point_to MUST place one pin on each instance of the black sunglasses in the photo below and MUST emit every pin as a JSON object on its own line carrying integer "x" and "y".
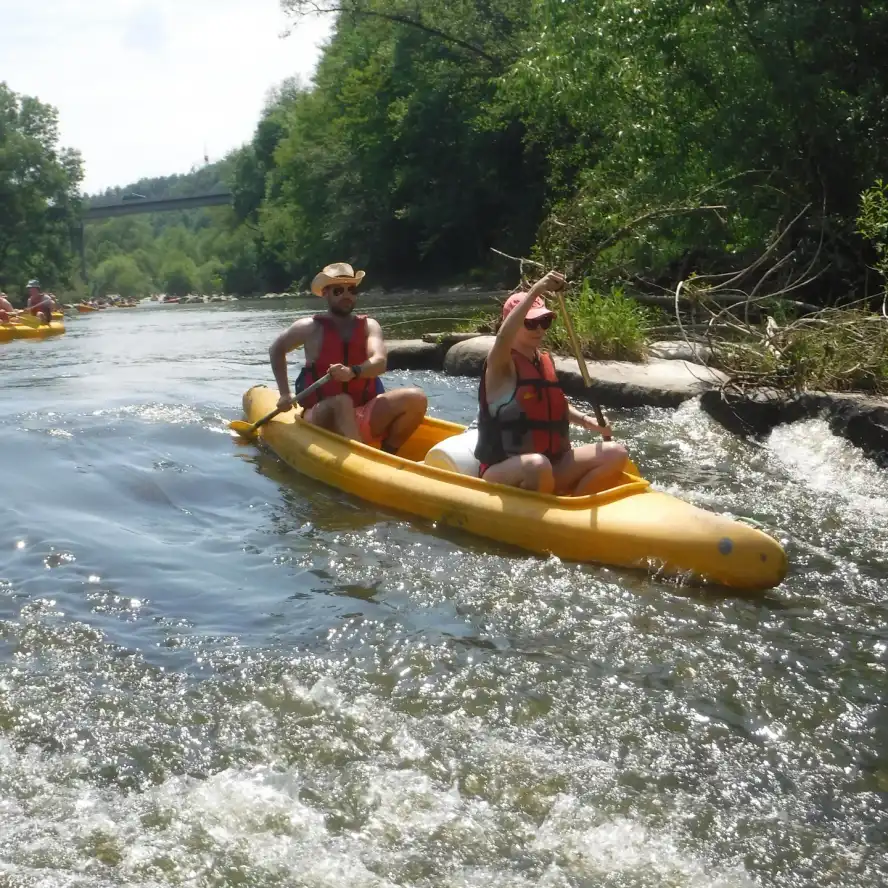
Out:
{"x": 338, "y": 291}
{"x": 538, "y": 323}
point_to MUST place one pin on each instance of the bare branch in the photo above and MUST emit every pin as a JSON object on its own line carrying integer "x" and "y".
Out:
{"x": 310, "y": 7}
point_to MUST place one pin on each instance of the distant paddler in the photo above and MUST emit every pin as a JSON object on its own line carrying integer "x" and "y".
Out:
{"x": 6, "y": 310}
{"x": 40, "y": 304}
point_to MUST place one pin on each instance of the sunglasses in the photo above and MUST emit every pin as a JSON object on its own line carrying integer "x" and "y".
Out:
{"x": 542, "y": 323}
{"x": 338, "y": 291}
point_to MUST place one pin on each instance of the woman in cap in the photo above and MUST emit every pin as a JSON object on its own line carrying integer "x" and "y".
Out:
{"x": 524, "y": 418}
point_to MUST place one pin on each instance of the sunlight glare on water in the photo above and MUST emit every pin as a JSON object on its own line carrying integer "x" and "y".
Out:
{"x": 216, "y": 672}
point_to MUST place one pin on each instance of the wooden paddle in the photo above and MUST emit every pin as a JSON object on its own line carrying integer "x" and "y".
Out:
{"x": 248, "y": 430}
{"x": 584, "y": 370}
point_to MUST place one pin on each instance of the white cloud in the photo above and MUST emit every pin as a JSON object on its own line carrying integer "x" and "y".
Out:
{"x": 145, "y": 87}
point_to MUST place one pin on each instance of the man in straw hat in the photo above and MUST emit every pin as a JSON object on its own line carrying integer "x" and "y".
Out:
{"x": 350, "y": 348}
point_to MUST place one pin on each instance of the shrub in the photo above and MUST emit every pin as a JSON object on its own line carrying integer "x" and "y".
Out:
{"x": 609, "y": 326}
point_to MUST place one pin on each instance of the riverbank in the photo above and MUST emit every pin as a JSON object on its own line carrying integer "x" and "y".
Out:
{"x": 671, "y": 376}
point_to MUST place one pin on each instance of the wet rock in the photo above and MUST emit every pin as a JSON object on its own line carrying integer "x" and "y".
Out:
{"x": 414, "y": 354}
{"x": 466, "y": 358}
{"x": 620, "y": 384}
{"x": 861, "y": 419}
{"x": 757, "y": 412}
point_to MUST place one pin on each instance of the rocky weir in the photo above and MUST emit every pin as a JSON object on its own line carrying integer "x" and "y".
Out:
{"x": 675, "y": 372}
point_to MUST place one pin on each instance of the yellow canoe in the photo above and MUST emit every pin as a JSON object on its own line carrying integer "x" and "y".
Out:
{"x": 628, "y": 525}
{"x": 83, "y": 309}
{"x": 8, "y": 332}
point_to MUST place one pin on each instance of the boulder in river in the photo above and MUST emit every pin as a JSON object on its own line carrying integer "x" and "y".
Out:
{"x": 467, "y": 357}
{"x": 414, "y": 354}
{"x": 620, "y": 384}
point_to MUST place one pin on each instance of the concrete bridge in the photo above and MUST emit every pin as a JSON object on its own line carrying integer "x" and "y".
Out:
{"x": 133, "y": 205}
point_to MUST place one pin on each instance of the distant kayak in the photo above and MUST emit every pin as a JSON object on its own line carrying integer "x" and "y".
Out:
{"x": 627, "y": 525}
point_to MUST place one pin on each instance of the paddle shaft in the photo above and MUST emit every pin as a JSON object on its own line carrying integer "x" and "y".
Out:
{"x": 28, "y": 320}
{"x": 584, "y": 370}
{"x": 299, "y": 397}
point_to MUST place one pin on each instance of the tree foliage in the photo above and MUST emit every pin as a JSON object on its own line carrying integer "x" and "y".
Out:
{"x": 765, "y": 106}
{"x": 39, "y": 203}
{"x": 629, "y": 141}
{"x": 120, "y": 275}
{"x": 396, "y": 158}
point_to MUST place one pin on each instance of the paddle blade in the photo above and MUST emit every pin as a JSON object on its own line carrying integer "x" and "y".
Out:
{"x": 244, "y": 429}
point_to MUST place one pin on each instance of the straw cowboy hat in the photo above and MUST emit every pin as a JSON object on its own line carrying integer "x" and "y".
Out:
{"x": 337, "y": 273}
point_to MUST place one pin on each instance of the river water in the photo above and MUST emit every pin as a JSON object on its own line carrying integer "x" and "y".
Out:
{"x": 215, "y": 672}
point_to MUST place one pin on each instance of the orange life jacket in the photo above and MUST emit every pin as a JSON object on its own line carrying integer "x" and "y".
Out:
{"x": 535, "y": 420}
{"x": 336, "y": 350}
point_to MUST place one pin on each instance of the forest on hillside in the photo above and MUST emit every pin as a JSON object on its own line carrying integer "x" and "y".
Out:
{"x": 189, "y": 251}
{"x": 632, "y": 143}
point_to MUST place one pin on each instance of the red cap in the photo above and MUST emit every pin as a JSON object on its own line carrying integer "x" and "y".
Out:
{"x": 537, "y": 308}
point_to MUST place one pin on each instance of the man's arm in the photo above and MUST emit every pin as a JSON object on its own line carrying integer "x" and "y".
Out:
{"x": 377, "y": 356}
{"x": 293, "y": 337}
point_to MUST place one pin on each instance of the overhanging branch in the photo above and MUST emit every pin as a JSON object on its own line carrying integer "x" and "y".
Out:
{"x": 306, "y": 7}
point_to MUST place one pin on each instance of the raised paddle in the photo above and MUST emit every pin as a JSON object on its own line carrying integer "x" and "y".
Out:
{"x": 584, "y": 370}
{"x": 248, "y": 430}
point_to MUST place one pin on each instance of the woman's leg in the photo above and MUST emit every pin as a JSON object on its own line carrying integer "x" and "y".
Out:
{"x": 589, "y": 468}
{"x": 529, "y": 471}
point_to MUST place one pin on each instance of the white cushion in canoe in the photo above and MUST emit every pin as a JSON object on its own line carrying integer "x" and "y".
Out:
{"x": 456, "y": 454}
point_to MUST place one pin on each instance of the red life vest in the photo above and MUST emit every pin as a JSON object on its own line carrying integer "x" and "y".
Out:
{"x": 535, "y": 420}
{"x": 336, "y": 350}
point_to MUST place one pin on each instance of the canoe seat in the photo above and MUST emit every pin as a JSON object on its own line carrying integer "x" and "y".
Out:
{"x": 456, "y": 454}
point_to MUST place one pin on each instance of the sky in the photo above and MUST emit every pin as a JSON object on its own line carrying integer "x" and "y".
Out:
{"x": 148, "y": 87}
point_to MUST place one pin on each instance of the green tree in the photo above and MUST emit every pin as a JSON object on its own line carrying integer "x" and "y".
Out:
{"x": 210, "y": 276}
{"x": 397, "y": 158}
{"x": 179, "y": 276}
{"x": 120, "y": 275}
{"x": 643, "y": 105}
{"x": 39, "y": 201}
